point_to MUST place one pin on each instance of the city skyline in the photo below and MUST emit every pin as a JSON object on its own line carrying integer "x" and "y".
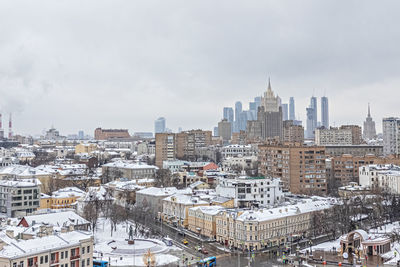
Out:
{"x": 130, "y": 70}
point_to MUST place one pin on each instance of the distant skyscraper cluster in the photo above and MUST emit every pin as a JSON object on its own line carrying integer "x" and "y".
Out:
{"x": 312, "y": 116}
{"x": 239, "y": 117}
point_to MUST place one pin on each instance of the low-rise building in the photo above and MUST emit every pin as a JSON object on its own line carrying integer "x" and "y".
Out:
{"x": 63, "y": 198}
{"x": 56, "y": 219}
{"x": 151, "y": 198}
{"x": 176, "y": 208}
{"x": 128, "y": 169}
{"x": 62, "y": 249}
{"x": 381, "y": 177}
{"x": 262, "y": 228}
{"x": 202, "y": 220}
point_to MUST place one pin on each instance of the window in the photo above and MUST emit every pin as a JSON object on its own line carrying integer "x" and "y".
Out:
{"x": 66, "y": 254}
{"x": 14, "y": 264}
{"x": 41, "y": 259}
{"x": 88, "y": 249}
{"x": 83, "y": 263}
{"x": 83, "y": 250}
{"x": 21, "y": 264}
{"x": 88, "y": 262}
{"x": 46, "y": 259}
{"x": 30, "y": 261}
{"x": 62, "y": 254}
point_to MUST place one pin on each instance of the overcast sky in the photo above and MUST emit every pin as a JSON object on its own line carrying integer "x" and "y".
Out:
{"x": 121, "y": 64}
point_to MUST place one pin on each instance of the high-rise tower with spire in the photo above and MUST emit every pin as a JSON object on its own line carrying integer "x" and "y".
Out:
{"x": 369, "y": 131}
{"x": 269, "y": 117}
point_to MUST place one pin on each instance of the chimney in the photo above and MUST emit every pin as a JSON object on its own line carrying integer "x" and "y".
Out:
{"x": 10, "y": 133}
{"x": 10, "y": 233}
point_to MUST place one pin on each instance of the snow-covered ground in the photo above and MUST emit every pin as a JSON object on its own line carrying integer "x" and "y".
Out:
{"x": 116, "y": 250}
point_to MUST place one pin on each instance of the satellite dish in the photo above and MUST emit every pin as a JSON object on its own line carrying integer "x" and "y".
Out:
{"x": 345, "y": 255}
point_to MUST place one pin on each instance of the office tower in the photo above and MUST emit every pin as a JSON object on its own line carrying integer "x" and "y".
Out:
{"x": 228, "y": 114}
{"x": 159, "y": 125}
{"x": 292, "y": 111}
{"x": 310, "y": 127}
{"x": 324, "y": 112}
{"x": 285, "y": 115}
{"x": 81, "y": 135}
{"x": 225, "y": 131}
{"x": 313, "y": 105}
{"x": 216, "y": 132}
{"x": 369, "y": 127}
{"x": 238, "y": 110}
{"x": 391, "y": 136}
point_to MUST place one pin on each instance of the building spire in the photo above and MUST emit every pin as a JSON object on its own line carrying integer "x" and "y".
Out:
{"x": 269, "y": 84}
{"x": 369, "y": 111}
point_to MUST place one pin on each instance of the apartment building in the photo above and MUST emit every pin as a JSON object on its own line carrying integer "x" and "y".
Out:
{"x": 189, "y": 141}
{"x": 301, "y": 168}
{"x": 333, "y": 136}
{"x": 293, "y": 133}
{"x": 262, "y": 228}
{"x": 19, "y": 197}
{"x": 354, "y": 150}
{"x": 391, "y": 136}
{"x": 165, "y": 148}
{"x": 251, "y": 191}
{"x": 72, "y": 249}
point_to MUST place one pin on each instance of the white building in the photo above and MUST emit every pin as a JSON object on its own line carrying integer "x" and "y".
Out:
{"x": 174, "y": 165}
{"x": 248, "y": 191}
{"x": 333, "y": 136}
{"x": 391, "y": 136}
{"x": 385, "y": 177}
{"x": 247, "y": 162}
{"x": 238, "y": 150}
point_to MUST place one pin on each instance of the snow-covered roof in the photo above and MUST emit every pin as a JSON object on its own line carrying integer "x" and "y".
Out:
{"x": 20, "y": 183}
{"x": 129, "y": 165}
{"x": 22, "y": 170}
{"x": 159, "y": 192}
{"x": 210, "y": 210}
{"x": 20, "y": 248}
{"x": 280, "y": 212}
{"x": 185, "y": 199}
{"x": 68, "y": 192}
{"x": 64, "y": 218}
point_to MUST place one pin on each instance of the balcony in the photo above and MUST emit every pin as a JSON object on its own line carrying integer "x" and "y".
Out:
{"x": 33, "y": 265}
{"x": 54, "y": 262}
{"x": 74, "y": 257}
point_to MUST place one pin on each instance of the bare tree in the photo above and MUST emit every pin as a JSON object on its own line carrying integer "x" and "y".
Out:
{"x": 118, "y": 214}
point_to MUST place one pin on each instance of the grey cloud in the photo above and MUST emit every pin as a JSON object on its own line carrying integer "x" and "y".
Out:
{"x": 79, "y": 65}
